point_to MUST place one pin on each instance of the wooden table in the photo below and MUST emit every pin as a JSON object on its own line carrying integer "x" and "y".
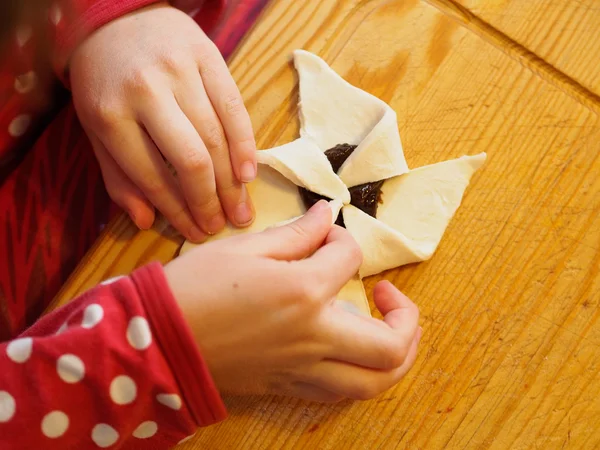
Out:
{"x": 511, "y": 349}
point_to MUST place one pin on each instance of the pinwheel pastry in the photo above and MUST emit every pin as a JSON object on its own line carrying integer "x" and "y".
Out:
{"x": 350, "y": 153}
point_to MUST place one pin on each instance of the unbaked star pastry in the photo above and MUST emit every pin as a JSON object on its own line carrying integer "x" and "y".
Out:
{"x": 349, "y": 152}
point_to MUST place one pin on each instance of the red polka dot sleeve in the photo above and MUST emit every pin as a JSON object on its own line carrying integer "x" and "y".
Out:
{"x": 71, "y": 21}
{"x": 116, "y": 368}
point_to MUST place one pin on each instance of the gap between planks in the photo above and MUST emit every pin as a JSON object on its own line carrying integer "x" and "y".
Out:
{"x": 518, "y": 52}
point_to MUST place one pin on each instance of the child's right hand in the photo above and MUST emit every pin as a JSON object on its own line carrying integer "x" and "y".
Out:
{"x": 262, "y": 309}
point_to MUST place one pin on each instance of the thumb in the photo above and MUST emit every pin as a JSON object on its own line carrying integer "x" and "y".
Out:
{"x": 296, "y": 240}
{"x": 121, "y": 189}
{"x": 399, "y": 312}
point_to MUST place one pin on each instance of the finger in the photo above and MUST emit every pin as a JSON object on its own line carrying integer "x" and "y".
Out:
{"x": 311, "y": 393}
{"x": 350, "y": 381}
{"x": 143, "y": 164}
{"x": 399, "y": 312}
{"x": 333, "y": 264}
{"x": 294, "y": 241}
{"x": 360, "y": 383}
{"x": 411, "y": 357}
{"x": 121, "y": 189}
{"x": 365, "y": 341}
{"x": 229, "y": 106}
{"x": 182, "y": 146}
{"x": 234, "y": 198}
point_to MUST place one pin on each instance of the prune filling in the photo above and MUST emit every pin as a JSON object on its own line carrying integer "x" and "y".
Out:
{"x": 365, "y": 197}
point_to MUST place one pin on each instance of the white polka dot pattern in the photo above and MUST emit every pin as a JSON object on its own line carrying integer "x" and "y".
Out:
{"x": 104, "y": 435}
{"x": 173, "y": 401}
{"x": 23, "y": 35}
{"x": 55, "y": 424}
{"x": 26, "y": 82}
{"x": 19, "y": 125}
{"x": 70, "y": 368}
{"x": 111, "y": 280}
{"x": 92, "y": 315}
{"x": 145, "y": 430}
{"x": 138, "y": 333}
{"x": 8, "y": 406}
{"x": 19, "y": 350}
{"x": 55, "y": 14}
{"x": 62, "y": 328}
{"x": 186, "y": 439}
{"x": 123, "y": 390}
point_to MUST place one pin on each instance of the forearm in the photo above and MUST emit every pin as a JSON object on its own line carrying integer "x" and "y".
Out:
{"x": 118, "y": 363}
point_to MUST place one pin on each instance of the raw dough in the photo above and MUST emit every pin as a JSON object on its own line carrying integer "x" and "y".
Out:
{"x": 417, "y": 204}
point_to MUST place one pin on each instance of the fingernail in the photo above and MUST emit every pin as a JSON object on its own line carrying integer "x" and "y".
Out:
{"x": 247, "y": 172}
{"x": 133, "y": 219}
{"x": 196, "y": 235}
{"x": 243, "y": 214}
{"x": 216, "y": 224}
{"x": 320, "y": 206}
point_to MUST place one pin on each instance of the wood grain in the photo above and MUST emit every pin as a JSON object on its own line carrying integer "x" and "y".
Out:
{"x": 528, "y": 58}
{"x": 566, "y": 34}
{"x": 509, "y": 303}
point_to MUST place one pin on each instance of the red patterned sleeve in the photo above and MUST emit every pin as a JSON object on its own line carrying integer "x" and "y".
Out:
{"x": 71, "y": 21}
{"x": 115, "y": 368}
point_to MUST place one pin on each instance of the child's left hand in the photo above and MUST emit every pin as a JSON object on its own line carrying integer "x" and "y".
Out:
{"x": 151, "y": 85}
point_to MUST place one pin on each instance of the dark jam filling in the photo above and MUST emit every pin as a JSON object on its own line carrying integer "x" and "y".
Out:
{"x": 365, "y": 197}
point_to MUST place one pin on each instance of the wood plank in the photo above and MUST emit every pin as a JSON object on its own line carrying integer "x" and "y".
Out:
{"x": 509, "y": 303}
{"x": 566, "y": 34}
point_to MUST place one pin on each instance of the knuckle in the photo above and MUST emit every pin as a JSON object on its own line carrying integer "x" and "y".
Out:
{"x": 173, "y": 62}
{"x": 278, "y": 386}
{"x": 356, "y": 253}
{"x": 140, "y": 81}
{"x": 115, "y": 194}
{"x": 299, "y": 290}
{"x": 299, "y": 234}
{"x": 179, "y": 219}
{"x": 209, "y": 204}
{"x": 107, "y": 116}
{"x": 302, "y": 291}
{"x": 393, "y": 355}
{"x": 245, "y": 147}
{"x": 229, "y": 191}
{"x": 207, "y": 63}
{"x": 207, "y": 71}
{"x": 289, "y": 288}
{"x": 332, "y": 399}
{"x": 365, "y": 390}
{"x": 214, "y": 138}
{"x": 154, "y": 186}
{"x": 309, "y": 292}
{"x": 195, "y": 161}
{"x": 229, "y": 187}
{"x": 234, "y": 104}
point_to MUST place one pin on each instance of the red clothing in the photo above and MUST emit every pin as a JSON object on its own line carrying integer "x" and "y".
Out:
{"x": 117, "y": 367}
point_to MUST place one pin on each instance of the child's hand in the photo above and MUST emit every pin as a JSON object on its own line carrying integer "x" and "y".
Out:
{"x": 262, "y": 308}
{"x": 151, "y": 85}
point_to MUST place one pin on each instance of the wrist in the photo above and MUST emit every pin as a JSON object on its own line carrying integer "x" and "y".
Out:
{"x": 189, "y": 304}
{"x": 88, "y": 17}
{"x": 174, "y": 333}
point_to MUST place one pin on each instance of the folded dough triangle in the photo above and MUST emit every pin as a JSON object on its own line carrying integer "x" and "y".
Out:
{"x": 332, "y": 112}
{"x": 414, "y": 215}
{"x": 416, "y": 205}
{"x": 305, "y": 165}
